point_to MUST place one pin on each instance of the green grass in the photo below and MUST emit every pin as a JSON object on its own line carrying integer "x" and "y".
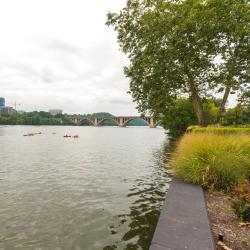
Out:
{"x": 219, "y": 129}
{"x": 216, "y": 161}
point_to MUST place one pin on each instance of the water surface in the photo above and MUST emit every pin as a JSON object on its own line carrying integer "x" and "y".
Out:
{"x": 101, "y": 191}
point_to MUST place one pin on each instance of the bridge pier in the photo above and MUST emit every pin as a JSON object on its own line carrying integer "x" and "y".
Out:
{"x": 76, "y": 121}
{"x": 152, "y": 123}
{"x": 96, "y": 122}
{"x": 121, "y": 122}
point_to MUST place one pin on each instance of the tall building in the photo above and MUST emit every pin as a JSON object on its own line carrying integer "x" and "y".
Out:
{"x": 6, "y": 109}
{"x": 2, "y": 102}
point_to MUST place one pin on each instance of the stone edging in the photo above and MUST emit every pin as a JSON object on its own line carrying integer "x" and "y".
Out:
{"x": 183, "y": 223}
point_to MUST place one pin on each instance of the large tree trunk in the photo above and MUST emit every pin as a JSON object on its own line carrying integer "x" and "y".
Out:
{"x": 197, "y": 103}
{"x": 223, "y": 103}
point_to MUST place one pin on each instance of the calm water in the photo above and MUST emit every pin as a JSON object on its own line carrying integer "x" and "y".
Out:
{"x": 101, "y": 191}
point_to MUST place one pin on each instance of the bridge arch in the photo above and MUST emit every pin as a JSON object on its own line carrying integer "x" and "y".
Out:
{"x": 86, "y": 120}
{"x": 135, "y": 118}
{"x": 107, "y": 119}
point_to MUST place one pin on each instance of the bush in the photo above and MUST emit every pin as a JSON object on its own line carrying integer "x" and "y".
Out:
{"x": 241, "y": 201}
{"x": 213, "y": 160}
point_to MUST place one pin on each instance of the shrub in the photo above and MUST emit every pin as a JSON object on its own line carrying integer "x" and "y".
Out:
{"x": 241, "y": 201}
{"x": 213, "y": 160}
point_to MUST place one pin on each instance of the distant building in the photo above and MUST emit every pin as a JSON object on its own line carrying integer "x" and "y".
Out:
{"x": 2, "y": 102}
{"x": 8, "y": 110}
{"x": 55, "y": 111}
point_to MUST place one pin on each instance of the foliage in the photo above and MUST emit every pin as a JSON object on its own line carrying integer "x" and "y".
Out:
{"x": 99, "y": 114}
{"x": 181, "y": 115}
{"x": 45, "y": 118}
{"x": 32, "y": 118}
{"x": 189, "y": 47}
{"x": 219, "y": 130}
{"x": 238, "y": 115}
{"x": 244, "y": 99}
{"x": 241, "y": 201}
{"x": 211, "y": 107}
{"x": 213, "y": 160}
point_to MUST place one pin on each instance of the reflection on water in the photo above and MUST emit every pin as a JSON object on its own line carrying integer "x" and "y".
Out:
{"x": 103, "y": 190}
{"x": 147, "y": 197}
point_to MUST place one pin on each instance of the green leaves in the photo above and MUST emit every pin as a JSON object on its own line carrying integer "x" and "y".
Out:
{"x": 178, "y": 47}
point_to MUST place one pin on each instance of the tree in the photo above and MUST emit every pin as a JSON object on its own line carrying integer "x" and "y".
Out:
{"x": 244, "y": 99}
{"x": 179, "y": 117}
{"x": 192, "y": 48}
{"x": 233, "y": 18}
{"x": 211, "y": 107}
{"x": 239, "y": 115}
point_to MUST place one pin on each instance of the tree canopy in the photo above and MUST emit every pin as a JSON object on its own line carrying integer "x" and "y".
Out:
{"x": 181, "y": 115}
{"x": 192, "y": 48}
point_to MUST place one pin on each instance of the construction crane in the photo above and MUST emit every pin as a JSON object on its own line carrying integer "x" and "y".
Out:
{"x": 16, "y": 104}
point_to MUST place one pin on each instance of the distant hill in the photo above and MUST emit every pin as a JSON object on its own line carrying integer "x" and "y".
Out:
{"x": 99, "y": 114}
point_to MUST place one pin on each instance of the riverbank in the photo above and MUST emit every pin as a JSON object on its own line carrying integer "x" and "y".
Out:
{"x": 214, "y": 161}
{"x": 236, "y": 235}
{"x": 218, "y": 159}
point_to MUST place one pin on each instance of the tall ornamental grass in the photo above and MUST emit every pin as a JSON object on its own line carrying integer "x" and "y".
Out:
{"x": 213, "y": 160}
{"x": 220, "y": 129}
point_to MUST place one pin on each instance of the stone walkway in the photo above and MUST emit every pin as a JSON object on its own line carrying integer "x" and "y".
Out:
{"x": 183, "y": 223}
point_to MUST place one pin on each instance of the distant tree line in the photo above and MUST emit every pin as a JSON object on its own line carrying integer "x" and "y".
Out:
{"x": 35, "y": 118}
{"x": 45, "y": 118}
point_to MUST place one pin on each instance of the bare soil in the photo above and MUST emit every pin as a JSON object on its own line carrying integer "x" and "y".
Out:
{"x": 224, "y": 221}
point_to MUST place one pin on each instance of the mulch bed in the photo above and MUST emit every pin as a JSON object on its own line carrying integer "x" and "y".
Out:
{"x": 223, "y": 220}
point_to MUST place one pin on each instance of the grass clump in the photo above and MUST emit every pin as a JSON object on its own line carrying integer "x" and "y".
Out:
{"x": 214, "y": 161}
{"x": 219, "y": 129}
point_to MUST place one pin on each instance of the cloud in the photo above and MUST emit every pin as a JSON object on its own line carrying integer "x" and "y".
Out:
{"x": 47, "y": 75}
{"x": 69, "y": 60}
{"x": 65, "y": 48}
{"x": 70, "y": 77}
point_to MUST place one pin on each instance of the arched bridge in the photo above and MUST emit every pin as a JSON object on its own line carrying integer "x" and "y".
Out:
{"x": 121, "y": 121}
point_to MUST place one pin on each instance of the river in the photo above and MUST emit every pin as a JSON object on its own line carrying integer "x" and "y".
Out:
{"x": 103, "y": 190}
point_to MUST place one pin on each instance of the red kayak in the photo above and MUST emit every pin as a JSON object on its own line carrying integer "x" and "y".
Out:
{"x": 67, "y": 136}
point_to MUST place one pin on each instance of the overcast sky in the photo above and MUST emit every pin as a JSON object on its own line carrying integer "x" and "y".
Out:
{"x": 60, "y": 54}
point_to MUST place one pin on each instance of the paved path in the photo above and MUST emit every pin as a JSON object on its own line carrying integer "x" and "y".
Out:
{"x": 183, "y": 223}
